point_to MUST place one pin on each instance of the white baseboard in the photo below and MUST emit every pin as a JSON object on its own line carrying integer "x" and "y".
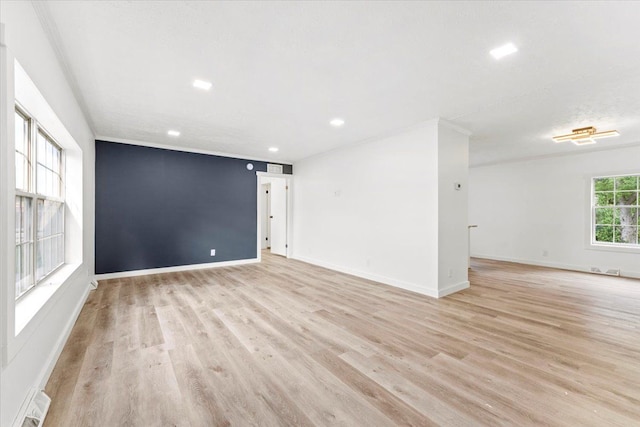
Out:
{"x": 57, "y": 350}
{"x": 47, "y": 369}
{"x": 560, "y": 266}
{"x": 370, "y": 276}
{"x": 134, "y": 273}
{"x": 453, "y": 288}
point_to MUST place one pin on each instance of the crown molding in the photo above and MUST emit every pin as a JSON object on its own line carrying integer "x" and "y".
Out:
{"x": 188, "y": 149}
{"x": 585, "y": 150}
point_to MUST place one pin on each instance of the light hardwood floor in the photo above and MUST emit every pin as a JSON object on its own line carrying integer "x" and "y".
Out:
{"x": 286, "y": 343}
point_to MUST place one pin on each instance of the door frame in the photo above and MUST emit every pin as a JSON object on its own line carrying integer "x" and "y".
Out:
{"x": 289, "y": 239}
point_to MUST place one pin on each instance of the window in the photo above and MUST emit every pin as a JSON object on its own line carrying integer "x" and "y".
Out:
{"x": 615, "y": 208}
{"x": 39, "y": 203}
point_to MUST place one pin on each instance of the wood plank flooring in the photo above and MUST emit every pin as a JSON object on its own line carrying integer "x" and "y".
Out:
{"x": 284, "y": 343}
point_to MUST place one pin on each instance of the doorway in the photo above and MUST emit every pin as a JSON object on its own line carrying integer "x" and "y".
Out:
{"x": 274, "y": 213}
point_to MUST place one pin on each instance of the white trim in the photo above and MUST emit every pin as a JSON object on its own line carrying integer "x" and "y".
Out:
{"x": 612, "y": 247}
{"x": 189, "y": 150}
{"x": 289, "y": 182}
{"x": 591, "y": 244}
{"x": 261, "y": 174}
{"x": 453, "y": 288}
{"x": 583, "y": 150}
{"x": 7, "y": 178}
{"x": 174, "y": 269}
{"x": 408, "y": 286}
{"x": 559, "y": 266}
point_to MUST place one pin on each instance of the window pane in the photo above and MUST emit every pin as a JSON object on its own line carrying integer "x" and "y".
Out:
{"x": 48, "y": 210}
{"x": 47, "y": 255}
{"x": 604, "y": 199}
{"x": 603, "y": 184}
{"x": 55, "y": 166}
{"x": 628, "y": 198}
{"x": 626, "y": 216}
{"x": 20, "y": 183}
{"x": 604, "y": 233}
{"x": 61, "y": 218}
{"x": 21, "y": 127}
{"x": 23, "y": 219}
{"x": 18, "y": 269}
{"x": 39, "y": 261}
{"x": 40, "y": 179}
{"x": 49, "y": 162}
{"x": 50, "y": 246}
{"x": 27, "y": 250}
{"x": 49, "y": 167}
{"x": 24, "y": 279}
{"x": 626, "y": 235}
{"x": 41, "y": 148}
{"x": 22, "y": 152}
{"x": 18, "y": 219}
{"x": 626, "y": 183}
{"x": 604, "y": 215}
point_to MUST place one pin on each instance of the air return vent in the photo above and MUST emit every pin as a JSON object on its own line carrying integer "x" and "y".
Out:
{"x": 37, "y": 405}
{"x": 271, "y": 168}
{"x": 609, "y": 272}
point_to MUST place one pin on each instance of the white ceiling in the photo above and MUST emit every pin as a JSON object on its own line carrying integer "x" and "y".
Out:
{"x": 281, "y": 71}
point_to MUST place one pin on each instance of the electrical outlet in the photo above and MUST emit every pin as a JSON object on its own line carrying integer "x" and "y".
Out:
{"x": 450, "y": 272}
{"x": 545, "y": 253}
{"x": 213, "y": 252}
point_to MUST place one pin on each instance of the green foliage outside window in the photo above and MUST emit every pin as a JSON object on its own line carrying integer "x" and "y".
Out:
{"x": 617, "y": 209}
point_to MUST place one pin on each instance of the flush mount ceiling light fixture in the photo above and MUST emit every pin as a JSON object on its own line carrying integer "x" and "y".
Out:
{"x": 173, "y": 133}
{"x": 503, "y": 51}
{"x": 585, "y": 136}
{"x": 273, "y": 149}
{"x": 201, "y": 84}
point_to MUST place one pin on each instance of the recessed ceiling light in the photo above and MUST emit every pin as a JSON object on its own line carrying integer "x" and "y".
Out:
{"x": 173, "y": 133}
{"x": 503, "y": 51}
{"x": 337, "y": 122}
{"x": 201, "y": 84}
{"x": 273, "y": 149}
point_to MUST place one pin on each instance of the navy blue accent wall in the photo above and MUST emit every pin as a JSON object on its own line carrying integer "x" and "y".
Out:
{"x": 162, "y": 208}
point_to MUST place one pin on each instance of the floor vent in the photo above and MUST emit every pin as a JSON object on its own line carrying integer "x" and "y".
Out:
{"x": 609, "y": 272}
{"x": 36, "y": 410}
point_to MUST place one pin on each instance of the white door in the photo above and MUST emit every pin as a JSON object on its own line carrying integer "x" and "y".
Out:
{"x": 264, "y": 216}
{"x": 278, "y": 232}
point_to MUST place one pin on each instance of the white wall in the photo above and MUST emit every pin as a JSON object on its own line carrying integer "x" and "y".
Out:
{"x": 528, "y": 207}
{"x": 453, "y": 248}
{"x": 36, "y": 349}
{"x": 372, "y": 210}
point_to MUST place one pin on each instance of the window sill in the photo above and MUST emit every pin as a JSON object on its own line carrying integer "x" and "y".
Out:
{"x": 612, "y": 248}
{"x": 28, "y": 306}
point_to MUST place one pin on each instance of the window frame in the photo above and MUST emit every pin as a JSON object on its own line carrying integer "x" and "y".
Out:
{"x": 34, "y": 130}
{"x": 614, "y": 246}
